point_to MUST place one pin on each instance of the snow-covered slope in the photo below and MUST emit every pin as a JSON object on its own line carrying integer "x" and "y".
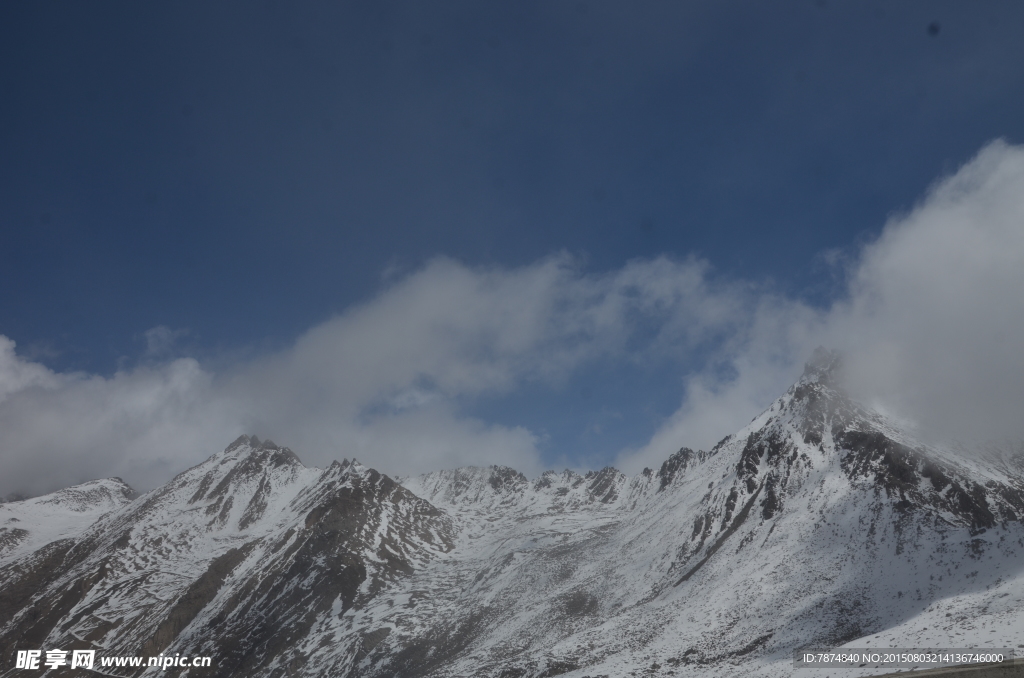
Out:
{"x": 26, "y": 526}
{"x": 818, "y": 524}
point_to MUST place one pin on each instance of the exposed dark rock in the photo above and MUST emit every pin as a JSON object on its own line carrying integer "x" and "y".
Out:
{"x": 257, "y": 505}
{"x": 740, "y": 518}
{"x": 434, "y": 648}
{"x": 40, "y": 593}
{"x": 676, "y": 464}
{"x": 580, "y": 603}
{"x": 196, "y": 597}
{"x": 557, "y": 668}
{"x": 371, "y": 640}
{"x": 730, "y": 506}
{"x": 753, "y": 645}
{"x": 603, "y": 484}
{"x": 772, "y": 501}
{"x": 897, "y": 469}
{"x": 11, "y": 537}
{"x": 504, "y": 478}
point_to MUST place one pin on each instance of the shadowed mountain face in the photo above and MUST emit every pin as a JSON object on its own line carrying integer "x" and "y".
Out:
{"x": 820, "y": 523}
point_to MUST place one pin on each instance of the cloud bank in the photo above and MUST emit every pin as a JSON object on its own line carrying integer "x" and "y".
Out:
{"x": 930, "y": 324}
{"x": 386, "y": 382}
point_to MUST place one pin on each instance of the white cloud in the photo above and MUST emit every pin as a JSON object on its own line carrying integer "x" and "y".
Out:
{"x": 385, "y": 382}
{"x": 931, "y": 327}
{"x": 161, "y": 340}
{"x": 64, "y": 428}
{"x": 935, "y": 317}
{"x": 18, "y": 375}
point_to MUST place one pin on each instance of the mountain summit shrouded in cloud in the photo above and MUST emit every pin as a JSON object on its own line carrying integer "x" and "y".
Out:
{"x": 927, "y": 324}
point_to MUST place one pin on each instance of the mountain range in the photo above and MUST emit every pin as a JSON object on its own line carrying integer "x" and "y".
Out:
{"x": 821, "y": 524}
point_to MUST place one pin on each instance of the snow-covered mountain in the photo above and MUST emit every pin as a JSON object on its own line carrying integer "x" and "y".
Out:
{"x": 250, "y": 557}
{"x": 818, "y": 524}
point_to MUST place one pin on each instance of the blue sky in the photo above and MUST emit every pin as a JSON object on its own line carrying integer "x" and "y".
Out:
{"x": 213, "y": 183}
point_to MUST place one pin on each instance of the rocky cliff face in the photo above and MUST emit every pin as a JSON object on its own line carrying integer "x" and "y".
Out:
{"x": 820, "y": 523}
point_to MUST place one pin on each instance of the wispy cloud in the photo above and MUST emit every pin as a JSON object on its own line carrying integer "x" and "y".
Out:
{"x": 162, "y": 340}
